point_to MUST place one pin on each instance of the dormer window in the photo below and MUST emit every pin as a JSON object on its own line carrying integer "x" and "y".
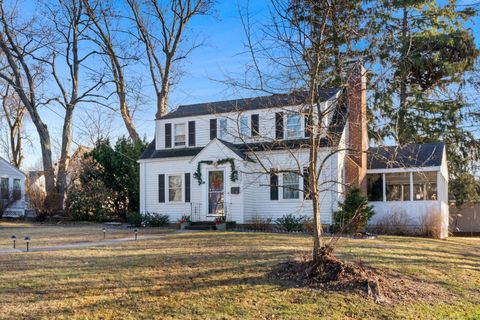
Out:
{"x": 179, "y": 134}
{"x": 244, "y": 127}
{"x": 222, "y": 128}
{"x": 294, "y": 126}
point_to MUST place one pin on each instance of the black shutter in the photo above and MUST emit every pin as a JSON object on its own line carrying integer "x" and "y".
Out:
{"x": 306, "y": 184}
{"x": 273, "y": 185}
{"x": 308, "y": 123}
{"x": 279, "y": 125}
{"x": 191, "y": 133}
{"x": 255, "y": 125}
{"x": 161, "y": 188}
{"x": 213, "y": 129}
{"x": 187, "y": 187}
{"x": 168, "y": 135}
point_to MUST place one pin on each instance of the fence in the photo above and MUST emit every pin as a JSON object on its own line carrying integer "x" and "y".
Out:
{"x": 466, "y": 220}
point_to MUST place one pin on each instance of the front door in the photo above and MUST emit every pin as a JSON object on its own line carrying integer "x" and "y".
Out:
{"x": 216, "y": 193}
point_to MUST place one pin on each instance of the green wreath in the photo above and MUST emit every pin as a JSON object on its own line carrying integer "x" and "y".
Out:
{"x": 233, "y": 172}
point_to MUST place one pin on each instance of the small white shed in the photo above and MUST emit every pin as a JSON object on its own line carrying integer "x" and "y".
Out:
{"x": 409, "y": 185}
{"x": 12, "y": 190}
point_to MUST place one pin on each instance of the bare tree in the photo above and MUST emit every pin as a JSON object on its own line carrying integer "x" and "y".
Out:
{"x": 161, "y": 27}
{"x": 101, "y": 16}
{"x": 70, "y": 25}
{"x": 296, "y": 52}
{"x": 18, "y": 42}
{"x": 13, "y": 113}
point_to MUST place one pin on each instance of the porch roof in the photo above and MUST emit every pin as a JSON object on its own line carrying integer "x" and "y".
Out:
{"x": 407, "y": 156}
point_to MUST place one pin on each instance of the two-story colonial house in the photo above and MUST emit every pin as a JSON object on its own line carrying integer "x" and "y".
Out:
{"x": 249, "y": 158}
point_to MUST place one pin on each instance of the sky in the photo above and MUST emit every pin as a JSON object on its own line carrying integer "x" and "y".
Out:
{"x": 223, "y": 54}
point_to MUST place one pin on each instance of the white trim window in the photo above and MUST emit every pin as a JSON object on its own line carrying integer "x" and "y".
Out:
{"x": 175, "y": 188}
{"x": 294, "y": 126}
{"x": 222, "y": 128}
{"x": 244, "y": 126}
{"x": 179, "y": 134}
{"x": 291, "y": 185}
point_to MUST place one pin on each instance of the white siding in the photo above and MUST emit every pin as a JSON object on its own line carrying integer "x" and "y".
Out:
{"x": 10, "y": 172}
{"x": 202, "y": 125}
{"x": 254, "y": 197}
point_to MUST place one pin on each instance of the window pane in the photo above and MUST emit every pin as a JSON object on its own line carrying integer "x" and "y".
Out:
{"x": 175, "y": 188}
{"x": 294, "y": 126}
{"x": 222, "y": 130}
{"x": 4, "y": 188}
{"x": 398, "y": 186}
{"x": 291, "y": 185}
{"x": 425, "y": 186}
{"x": 180, "y": 134}
{"x": 17, "y": 189}
{"x": 375, "y": 187}
{"x": 244, "y": 129}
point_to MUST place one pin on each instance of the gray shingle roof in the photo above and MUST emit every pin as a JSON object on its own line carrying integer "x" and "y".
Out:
{"x": 265, "y": 102}
{"x": 411, "y": 155}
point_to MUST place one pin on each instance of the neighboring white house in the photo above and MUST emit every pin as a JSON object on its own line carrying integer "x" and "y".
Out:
{"x": 248, "y": 158}
{"x": 12, "y": 190}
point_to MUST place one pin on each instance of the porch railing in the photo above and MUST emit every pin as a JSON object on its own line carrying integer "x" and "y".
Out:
{"x": 195, "y": 211}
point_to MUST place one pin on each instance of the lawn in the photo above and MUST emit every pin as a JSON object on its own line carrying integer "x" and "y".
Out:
{"x": 222, "y": 275}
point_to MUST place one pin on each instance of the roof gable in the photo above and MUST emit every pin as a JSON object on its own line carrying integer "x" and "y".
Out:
{"x": 221, "y": 148}
{"x": 10, "y": 167}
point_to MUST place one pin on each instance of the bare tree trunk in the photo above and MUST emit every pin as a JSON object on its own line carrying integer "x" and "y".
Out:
{"x": 63, "y": 162}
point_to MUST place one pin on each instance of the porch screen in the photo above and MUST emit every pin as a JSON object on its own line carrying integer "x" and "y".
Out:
{"x": 425, "y": 186}
{"x": 375, "y": 187}
{"x": 398, "y": 186}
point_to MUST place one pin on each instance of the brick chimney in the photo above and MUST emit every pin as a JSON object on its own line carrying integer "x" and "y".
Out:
{"x": 357, "y": 140}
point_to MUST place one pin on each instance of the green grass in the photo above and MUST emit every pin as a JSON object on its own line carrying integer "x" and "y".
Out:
{"x": 214, "y": 275}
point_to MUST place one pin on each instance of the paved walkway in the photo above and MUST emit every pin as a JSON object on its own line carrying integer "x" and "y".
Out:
{"x": 89, "y": 244}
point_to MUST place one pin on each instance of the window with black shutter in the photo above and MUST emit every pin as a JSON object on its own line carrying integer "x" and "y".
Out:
{"x": 307, "y": 195}
{"x": 191, "y": 133}
{"x": 161, "y": 188}
{"x": 213, "y": 129}
{"x": 273, "y": 185}
{"x": 279, "y": 125}
{"x": 187, "y": 187}
{"x": 168, "y": 135}
{"x": 255, "y": 125}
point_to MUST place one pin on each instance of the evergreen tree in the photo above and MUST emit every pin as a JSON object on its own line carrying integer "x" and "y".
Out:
{"x": 423, "y": 58}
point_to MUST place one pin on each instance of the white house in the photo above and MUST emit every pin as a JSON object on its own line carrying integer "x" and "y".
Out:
{"x": 248, "y": 158}
{"x": 12, "y": 190}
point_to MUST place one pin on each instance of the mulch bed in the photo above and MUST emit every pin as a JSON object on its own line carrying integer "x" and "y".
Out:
{"x": 383, "y": 286}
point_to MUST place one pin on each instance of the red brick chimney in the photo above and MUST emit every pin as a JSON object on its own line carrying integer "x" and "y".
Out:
{"x": 357, "y": 140}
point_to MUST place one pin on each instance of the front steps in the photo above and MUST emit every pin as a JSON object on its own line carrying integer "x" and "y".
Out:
{"x": 208, "y": 225}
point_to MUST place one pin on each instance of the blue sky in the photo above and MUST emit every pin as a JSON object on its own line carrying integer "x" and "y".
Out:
{"x": 224, "y": 54}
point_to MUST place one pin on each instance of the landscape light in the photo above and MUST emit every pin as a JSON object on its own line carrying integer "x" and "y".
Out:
{"x": 14, "y": 239}
{"x": 104, "y": 232}
{"x": 27, "y": 239}
{"x": 136, "y": 232}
